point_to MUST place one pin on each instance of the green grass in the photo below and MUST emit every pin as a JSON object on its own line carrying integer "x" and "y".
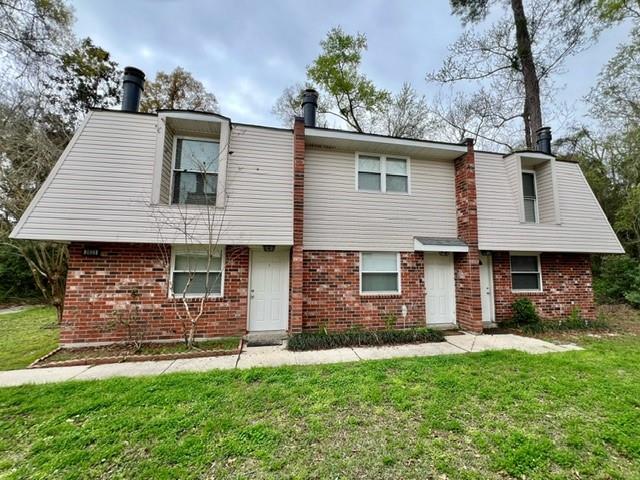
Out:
{"x": 479, "y": 416}
{"x": 27, "y": 335}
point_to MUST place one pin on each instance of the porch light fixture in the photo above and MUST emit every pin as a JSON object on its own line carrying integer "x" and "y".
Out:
{"x": 269, "y": 248}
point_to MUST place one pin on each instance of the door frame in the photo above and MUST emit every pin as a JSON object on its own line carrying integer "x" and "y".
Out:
{"x": 278, "y": 249}
{"x": 492, "y": 312}
{"x": 454, "y": 301}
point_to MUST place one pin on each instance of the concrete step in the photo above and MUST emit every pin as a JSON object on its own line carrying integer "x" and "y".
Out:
{"x": 266, "y": 338}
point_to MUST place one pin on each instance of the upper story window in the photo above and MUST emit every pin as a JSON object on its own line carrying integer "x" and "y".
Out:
{"x": 379, "y": 173}
{"x": 530, "y": 196}
{"x": 195, "y": 171}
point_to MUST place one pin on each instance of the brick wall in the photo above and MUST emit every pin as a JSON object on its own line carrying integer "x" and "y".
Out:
{"x": 296, "y": 268}
{"x": 332, "y": 293}
{"x": 566, "y": 281}
{"x": 97, "y": 286}
{"x": 467, "y": 265}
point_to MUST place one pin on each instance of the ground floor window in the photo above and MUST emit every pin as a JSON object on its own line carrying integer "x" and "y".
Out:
{"x": 379, "y": 272}
{"x": 525, "y": 273}
{"x": 197, "y": 271}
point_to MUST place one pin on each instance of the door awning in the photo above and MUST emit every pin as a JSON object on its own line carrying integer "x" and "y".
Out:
{"x": 438, "y": 244}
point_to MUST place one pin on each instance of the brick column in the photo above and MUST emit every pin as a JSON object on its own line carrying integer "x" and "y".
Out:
{"x": 467, "y": 265}
{"x": 295, "y": 301}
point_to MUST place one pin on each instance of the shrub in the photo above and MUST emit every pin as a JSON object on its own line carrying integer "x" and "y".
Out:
{"x": 320, "y": 340}
{"x": 618, "y": 280}
{"x": 524, "y": 312}
{"x": 575, "y": 321}
{"x": 390, "y": 321}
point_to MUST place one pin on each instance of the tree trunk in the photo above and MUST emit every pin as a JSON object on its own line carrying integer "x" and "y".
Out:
{"x": 527, "y": 124}
{"x": 531, "y": 83}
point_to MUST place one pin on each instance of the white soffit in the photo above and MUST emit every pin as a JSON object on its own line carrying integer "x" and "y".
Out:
{"x": 327, "y": 139}
{"x": 428, "y": 244}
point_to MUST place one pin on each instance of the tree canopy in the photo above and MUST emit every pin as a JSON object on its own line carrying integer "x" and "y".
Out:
{"x": 177, "y": 90}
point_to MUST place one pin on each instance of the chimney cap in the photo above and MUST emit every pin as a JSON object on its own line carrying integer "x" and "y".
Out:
{"x": 544, "y": 132}
{"x": 310, "y": 95}
{"x": 135, "y": 75}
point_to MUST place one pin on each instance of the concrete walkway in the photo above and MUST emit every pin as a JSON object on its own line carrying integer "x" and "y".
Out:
{"x": 276, "y": 356}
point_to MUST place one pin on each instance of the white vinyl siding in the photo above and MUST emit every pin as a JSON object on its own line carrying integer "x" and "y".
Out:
{"x": 167, "y": 161}
{"x": 379, "y": 273}
{"x": 583, "y": 228}
{"x": 101, "y": 189}
{"x": 526, "y": 275}
{"x": 195, "y": 274}
{"x": 546, "y": 194}
{"x": 338, "y": 217}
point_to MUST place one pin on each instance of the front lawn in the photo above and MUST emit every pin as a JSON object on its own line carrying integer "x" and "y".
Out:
{"x": 26, "y": 335}
{"x": 482, "y": 416}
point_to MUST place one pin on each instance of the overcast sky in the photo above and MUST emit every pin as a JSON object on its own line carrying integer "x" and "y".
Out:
{"x": 246, "y": 52}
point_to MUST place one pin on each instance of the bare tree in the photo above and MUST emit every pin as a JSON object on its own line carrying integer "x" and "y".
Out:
{"x": 519, "y": 54}
{"x": 30, "y": 147}
{"x": 289, "y": 105}
{"x": 197, "y": 224}
{"x": 406, "y": 114}
{"x": 32, "y": 33}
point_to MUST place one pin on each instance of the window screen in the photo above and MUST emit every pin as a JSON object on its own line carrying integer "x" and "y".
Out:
{"x": 379, "y": 272}
{"x": 530, "y": 197}
{"x": 196, "y": 274}
{"x": 195, "y": 174}
{"x": 525, "y": 272}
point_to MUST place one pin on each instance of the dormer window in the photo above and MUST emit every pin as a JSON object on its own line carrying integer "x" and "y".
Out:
{"x": 195, "y": 171}
{"x": 530, "y": 197}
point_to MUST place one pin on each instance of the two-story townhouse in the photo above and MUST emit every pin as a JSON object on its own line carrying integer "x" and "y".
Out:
{"x": 312, "y": 226}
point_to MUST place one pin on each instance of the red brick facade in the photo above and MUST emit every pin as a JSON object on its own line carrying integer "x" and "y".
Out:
{"x": 332, "y": 293}
{"x": 566, "y": 282}
{"x": 324, "y": 285}
{"x": 467, "y": 265}
{"x": 296, "y": 268}
{"x": 137, "y": 274}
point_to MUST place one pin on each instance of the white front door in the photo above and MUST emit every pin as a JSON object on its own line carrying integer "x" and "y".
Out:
{"x": 269, "y": 290}
{"x": 441, "y": 289}
{"x": 486, "y": 288}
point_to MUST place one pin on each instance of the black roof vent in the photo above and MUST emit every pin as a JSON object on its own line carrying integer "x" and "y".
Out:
{"x": 309, "y": 107}
{"x": 132, "y": 87}
{"x": 543, "y": 143}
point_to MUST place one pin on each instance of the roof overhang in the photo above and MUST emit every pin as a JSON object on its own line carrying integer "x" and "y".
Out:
{"x": 328, "y": 139}
{"x": 196, "y": 123}
{"x": 433, "y": 244}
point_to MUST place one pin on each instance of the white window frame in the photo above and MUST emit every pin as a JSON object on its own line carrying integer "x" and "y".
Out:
{"x": 383, "y": 173}
{"x": 201, "y": 250}
{"x": 539, "y": 272}
{"x": 535, "y": 203}
{"x": 173, "y": 167}
{"x": 398, "y": 272}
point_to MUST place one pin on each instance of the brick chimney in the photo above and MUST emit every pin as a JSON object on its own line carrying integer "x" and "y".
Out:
{"x": 295, "y": 302}
{"x": 467, "y": 265}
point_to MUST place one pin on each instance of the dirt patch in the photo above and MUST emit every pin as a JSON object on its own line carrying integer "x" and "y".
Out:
{"x": 130, "y": 353}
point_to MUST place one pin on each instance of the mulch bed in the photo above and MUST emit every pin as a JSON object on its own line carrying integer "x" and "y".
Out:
{"x": 124, "y": 353}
